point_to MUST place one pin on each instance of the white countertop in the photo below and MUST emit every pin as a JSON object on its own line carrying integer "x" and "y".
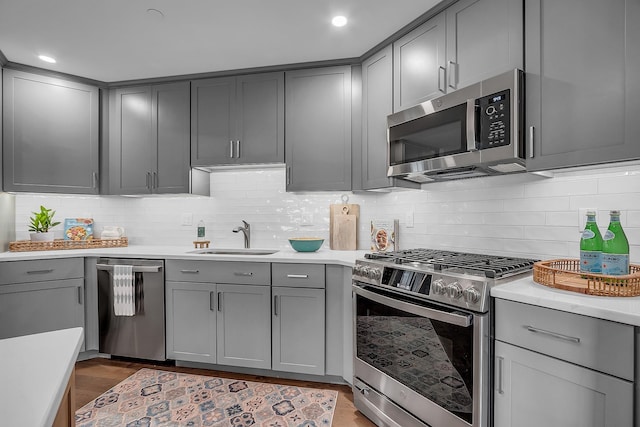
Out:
{"x": 34, "y": 373}
{"x": 618, "y": 309}
{"x": 322, "y": 256}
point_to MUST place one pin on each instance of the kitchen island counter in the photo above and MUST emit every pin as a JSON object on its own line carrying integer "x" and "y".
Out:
{"x": 34, "y": 374}
{"x": 286, "y": 255}
{"x": 618, "y": 309}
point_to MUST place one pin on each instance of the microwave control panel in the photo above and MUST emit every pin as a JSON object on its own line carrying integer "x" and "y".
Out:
{"x": 495, "y": 120}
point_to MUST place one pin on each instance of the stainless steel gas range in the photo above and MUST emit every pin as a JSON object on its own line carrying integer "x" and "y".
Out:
{"x": 422, "y": 335}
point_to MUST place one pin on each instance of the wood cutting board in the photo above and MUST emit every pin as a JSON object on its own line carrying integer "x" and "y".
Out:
{"x": 343, "y": 226}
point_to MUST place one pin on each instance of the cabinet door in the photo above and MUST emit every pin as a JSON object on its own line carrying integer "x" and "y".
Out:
{"x": 191, "y": 321}
{"x": 377, "y": 104}
{"x": 260, "y": 124}
{"x": 298, "y": 330}
{"x": 213, "y": 112}
{"x": 484, "y": 39}
{"x": 582, "y": 87}
{"x": 318, "y": 129}
{"x": 244, "y": 326}
{"x": 130, "y": 152}
{"x": 50, "y": 141}
{"x": 419, "y": 61}
{"x": 171, "y": 137}
{"x": 31, "y": 308}
{"x": 533, "y": 390}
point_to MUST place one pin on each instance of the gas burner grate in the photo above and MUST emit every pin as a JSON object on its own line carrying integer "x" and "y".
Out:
{"x": 491, "y": 266}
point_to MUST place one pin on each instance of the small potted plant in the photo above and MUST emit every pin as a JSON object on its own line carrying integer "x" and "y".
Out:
{"x": 41, "y": 222}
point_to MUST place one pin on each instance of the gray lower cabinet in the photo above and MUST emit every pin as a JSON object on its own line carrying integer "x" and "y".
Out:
{"x": 298, "y": 318}
{"x": 237, "y": 120}
{"x": 41, "y": 296}
{"x": 555, "y": 368}
{"x": 318, "y": 129}
{"x": 582, "y": 82}
{"x": 50, "y": 134}
{"x": 469, "y": 41}
{"x": 191, "y": 321}
{"x": 219, "y": 312}
{"x": 150, "y": 140}
{"x": 377, "y": 104}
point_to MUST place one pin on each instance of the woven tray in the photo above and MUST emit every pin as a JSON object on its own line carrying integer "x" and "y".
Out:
{"x": 565, "y": 274}
{"x": 58, "y": 245}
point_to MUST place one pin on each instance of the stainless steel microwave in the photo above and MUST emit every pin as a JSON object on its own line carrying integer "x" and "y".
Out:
{"x": 474, "y": 131}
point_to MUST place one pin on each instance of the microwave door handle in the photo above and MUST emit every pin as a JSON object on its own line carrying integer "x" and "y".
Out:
{"x": 471, "y": 125}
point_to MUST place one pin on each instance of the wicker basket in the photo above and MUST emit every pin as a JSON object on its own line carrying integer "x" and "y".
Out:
{"x": 58, "y": 245}
{"x": 565, "y": 274}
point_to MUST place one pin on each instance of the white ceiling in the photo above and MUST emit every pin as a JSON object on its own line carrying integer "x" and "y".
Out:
{"x": 118, "y": 40}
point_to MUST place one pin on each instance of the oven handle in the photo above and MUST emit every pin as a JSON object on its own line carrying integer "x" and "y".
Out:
{"x": 418, "y": 310}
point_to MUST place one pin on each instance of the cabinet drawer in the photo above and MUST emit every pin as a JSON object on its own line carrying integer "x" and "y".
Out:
{"x": 40, "y": 270}
{"x": 298, "y": 275}
{"x": 594, "y": 343}
{"x": 247, "y": 273}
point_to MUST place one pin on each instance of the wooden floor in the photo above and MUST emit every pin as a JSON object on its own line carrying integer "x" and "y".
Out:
{"x": 95, "y": 376}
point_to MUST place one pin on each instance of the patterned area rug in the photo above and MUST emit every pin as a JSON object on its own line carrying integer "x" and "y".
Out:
{"x": 160, "y": 398}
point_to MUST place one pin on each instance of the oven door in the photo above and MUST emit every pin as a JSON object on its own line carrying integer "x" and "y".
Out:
{"x": 432, "y": 361}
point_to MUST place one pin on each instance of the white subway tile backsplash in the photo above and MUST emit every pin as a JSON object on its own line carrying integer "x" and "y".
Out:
{"x": 518, "y": 215}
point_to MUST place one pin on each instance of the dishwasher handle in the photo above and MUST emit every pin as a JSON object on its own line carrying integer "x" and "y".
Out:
{"x": 136, "y": 268}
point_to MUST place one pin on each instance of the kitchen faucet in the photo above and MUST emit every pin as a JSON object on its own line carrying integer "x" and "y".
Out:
{"x": 246, "y": 230}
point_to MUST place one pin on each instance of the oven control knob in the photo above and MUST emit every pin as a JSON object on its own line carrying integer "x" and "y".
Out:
{"x": 471, "y": 295}
{"x": 454, "y": 290}
{"x": 439, "y": 287}
{"x": 375, "y": 274}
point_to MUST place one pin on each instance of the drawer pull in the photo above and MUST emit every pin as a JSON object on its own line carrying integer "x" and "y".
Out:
{"x": 553, "y": 334}
{"x": 40, "y": 271}
{"x": 241, "y": 273}
{"x": 190, "y": 271}
{"x": 298, "y": 276}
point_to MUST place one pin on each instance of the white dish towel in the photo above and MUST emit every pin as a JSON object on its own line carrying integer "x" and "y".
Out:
{"x": 124, "y": 303}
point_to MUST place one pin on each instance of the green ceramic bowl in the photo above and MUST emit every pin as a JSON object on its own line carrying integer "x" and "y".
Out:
{"x": 306, "y": 244}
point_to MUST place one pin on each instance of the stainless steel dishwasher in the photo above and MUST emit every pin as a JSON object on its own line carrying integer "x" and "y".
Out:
{"x": 141, "y": 335}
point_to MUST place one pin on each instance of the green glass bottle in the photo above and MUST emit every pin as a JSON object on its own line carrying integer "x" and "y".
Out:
{"x": 615, "y": 248}
{"x": 591, "y": 246}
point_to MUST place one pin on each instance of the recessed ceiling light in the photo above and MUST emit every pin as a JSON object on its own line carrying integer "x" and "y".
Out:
{"x": 46, "y": 58}
{"x": 339, "y": 21}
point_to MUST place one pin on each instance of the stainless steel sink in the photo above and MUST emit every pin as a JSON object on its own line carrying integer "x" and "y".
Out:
{"x": 216, "y": 251}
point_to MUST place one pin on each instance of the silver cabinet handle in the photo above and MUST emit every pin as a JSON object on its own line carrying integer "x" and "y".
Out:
{"x": 80, "y": 296}
{"x": 442, "y": 79}
{"x": 500, "y": 369}
{"x": 237, "y": 149}
{"x": 275, "y": 305}
{"x": 190, "y": 271}
{"x": 552, "y": 334}
{"x": 231, "y": 149}
{"x": 155, "y": 180}
{"x": 531, "y": 138}
{"x": 50, "y": 270}
{"x": 453, "y": 75}
{"x": 149, "y": 180}
{"x": 242, "y": 273}
{"x": 94, "y": 180}
{"x": 288, "y": 175}
{"x": 211, "y": 304}
{"x": 219, "y": 301}
{"x": 298, "y": 276}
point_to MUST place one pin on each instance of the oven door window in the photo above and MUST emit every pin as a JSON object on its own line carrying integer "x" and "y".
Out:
{"x": 433, "y": 358}
{"x": 435, "y": 135}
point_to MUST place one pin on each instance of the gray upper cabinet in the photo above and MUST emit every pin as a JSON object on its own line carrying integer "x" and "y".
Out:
{"x": 318, "y": 129}
{"x": 420, "y": 64}
{"x": 238, "y": 120}
{"x": 469, "y": 41}
{"x": 50, "y": 129}
{"x": 377, "y": 104}
{"x": 484, "y": 39}
{"x": 149, "y": 150}
{"x": 592, "y": 76}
